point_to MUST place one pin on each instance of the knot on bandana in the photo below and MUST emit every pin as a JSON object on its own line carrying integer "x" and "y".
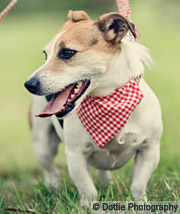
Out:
{"x": 104, "y": 117}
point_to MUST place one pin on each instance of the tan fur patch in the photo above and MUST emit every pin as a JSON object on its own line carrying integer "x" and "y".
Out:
{"x": 80, "y": 33}
{"x": 76, "y": 16}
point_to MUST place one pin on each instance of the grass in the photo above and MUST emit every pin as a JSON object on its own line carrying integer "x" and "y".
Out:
{"x": 21, "y": 183}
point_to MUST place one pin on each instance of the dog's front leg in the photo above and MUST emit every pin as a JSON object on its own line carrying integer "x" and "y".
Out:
{"x": 105, "y": 177}
{"x": 79, "y": 171}
{"x": 146, "y": 161}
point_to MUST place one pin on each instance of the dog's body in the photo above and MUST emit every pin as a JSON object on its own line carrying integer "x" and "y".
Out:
{"x": 109, "y": 61}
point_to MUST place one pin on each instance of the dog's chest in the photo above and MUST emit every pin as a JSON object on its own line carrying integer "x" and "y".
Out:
{"x": 115, "y": 153}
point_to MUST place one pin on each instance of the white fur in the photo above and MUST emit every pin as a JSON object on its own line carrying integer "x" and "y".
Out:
{"x": 124, "y": 66}
{"x": 49, "y": 55}
{"x": 141, "y": 135}
{"x": 52, "y": 51}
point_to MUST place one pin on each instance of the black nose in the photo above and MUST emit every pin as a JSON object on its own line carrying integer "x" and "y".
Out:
{"x": 32, "y": 85}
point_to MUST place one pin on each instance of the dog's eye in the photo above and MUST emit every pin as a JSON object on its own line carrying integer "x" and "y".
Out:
{"x": 66, "y": 53}
{"x": 45, "y": 55}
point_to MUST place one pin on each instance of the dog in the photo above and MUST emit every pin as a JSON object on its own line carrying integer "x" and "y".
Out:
{"x": 92, "y": 60}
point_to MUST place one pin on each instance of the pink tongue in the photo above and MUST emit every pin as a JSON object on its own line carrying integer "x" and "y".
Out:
{"x": 56, "y": 103}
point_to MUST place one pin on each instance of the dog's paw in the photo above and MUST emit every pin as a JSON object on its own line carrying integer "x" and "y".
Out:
{"x": 85, "y": 203}
{"x": 105, "y": 177}
{"x": 51, "y": 179}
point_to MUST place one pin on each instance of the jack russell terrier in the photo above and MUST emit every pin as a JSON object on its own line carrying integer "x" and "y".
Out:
{"x": 93, "y": 99}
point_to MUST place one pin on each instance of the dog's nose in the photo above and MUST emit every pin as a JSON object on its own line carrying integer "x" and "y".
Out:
{"x": 32, "y": 85}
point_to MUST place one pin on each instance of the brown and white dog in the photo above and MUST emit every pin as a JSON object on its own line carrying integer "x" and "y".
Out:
{"x": 93, "y": 58}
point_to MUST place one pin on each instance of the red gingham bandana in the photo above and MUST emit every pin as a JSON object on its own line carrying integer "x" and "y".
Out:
{"x": 104, "y": 117}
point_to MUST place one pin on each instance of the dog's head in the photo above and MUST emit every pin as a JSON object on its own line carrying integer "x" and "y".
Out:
{"x": 77, "y": 59}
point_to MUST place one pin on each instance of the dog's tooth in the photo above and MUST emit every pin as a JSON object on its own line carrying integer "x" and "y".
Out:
{"x": 79, "y": 84}
{"x": 69, "y": 100}
{"x": 73, "y": 95}
{"x": 76, "y": 90}
{"x": 63, "y": 108}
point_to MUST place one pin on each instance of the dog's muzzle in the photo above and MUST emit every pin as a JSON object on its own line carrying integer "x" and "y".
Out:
{"x": 62, "y": 102}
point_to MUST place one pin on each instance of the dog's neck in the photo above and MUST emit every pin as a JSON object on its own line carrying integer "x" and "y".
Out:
{"x": 125, "y": 66}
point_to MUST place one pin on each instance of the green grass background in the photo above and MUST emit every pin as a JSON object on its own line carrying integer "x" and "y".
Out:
{"x": 22, "y": 37}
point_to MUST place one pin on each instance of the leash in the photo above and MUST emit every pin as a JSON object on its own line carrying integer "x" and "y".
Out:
{"x": 7, "y": 9}
{"x": 124, "y": 10}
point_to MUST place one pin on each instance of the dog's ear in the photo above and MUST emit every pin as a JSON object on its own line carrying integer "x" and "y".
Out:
{"x": 77, "y": 16}
{"x": 114, "y": 26}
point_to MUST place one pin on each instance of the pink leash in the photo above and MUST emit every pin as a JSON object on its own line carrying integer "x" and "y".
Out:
{"x": 124, "y": 10}
{"x": 7, "y": 9}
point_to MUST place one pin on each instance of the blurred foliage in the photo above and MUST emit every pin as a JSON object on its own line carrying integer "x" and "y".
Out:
{"x": 58, "y": 5}
{"x": 168, "y": 9}
{"x": 93, "y": 5}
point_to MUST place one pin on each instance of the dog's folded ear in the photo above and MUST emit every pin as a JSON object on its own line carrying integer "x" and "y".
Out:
{"x": 114, "y": 26}
{"x": 77, "y": 16}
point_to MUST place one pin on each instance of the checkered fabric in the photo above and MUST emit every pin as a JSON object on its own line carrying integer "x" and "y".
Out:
{"x": 104, "y": 117}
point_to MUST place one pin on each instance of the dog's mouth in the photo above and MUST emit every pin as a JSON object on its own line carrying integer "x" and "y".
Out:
{"x": 63, "y": 102}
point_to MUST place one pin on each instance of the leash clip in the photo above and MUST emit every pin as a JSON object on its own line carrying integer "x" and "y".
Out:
{"x": 137, "y": 79}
